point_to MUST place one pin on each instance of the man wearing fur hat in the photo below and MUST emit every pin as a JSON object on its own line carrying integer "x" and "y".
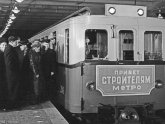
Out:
{"x": 36, "y": 65}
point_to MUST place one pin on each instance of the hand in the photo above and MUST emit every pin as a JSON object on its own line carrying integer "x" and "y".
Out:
{"x": 37, "y": 76}
{"x": 52, "y": 73}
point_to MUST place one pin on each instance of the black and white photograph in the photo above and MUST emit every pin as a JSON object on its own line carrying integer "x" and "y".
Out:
{"x": 82, "y": 61}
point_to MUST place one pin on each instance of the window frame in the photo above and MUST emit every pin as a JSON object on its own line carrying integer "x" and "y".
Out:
{"x": 99, "y": 29}
{"x": 120, "y": 51}
{"x": 153, "y": 49}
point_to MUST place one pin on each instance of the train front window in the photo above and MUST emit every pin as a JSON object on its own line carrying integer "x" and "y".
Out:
{"x": 126, "y": 41}
{"x": 96, "y": 43}
{"x": 152, "y": 45}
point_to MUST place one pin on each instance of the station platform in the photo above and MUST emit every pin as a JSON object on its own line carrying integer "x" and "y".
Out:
{"x": 44, "y": 113}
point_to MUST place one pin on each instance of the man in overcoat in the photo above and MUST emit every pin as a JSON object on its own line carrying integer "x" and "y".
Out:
{"x": 12, "y": 72}
{"x": 25, "y": 71}
{"x": 2, "y": 74}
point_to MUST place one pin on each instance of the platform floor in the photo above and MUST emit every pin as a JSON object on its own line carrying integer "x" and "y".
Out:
{"x": 44, "y": 113}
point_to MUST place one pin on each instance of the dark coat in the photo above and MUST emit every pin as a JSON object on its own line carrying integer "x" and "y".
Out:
{"x": 12, "y": 73}
{"x": 2, "y": 80}
{"x": 53, "y": 61}
{"x": 20, "y": 56}
{"x": 25, "y": 75}
{"x": 2, "y": 67}
{"x": 36, "y": 65}
{"x": 49, "y": 62}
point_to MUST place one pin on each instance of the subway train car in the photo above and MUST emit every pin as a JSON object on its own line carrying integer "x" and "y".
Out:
{"x": 111, "y": 61}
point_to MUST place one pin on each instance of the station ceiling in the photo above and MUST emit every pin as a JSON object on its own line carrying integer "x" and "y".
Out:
{"x": 36, "y": 15}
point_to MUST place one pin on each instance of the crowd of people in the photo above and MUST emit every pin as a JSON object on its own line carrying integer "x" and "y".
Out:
{"x": 27, "y": 71}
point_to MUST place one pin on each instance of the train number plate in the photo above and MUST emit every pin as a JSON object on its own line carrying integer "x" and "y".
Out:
{"x": 119, "y": 80}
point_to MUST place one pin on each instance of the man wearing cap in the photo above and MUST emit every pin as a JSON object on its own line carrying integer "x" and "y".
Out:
{"x": 24, "y": 67}
{"x": 12, "y": 72}
{"x": 2, "y": 74}
{"x": 21, "y": 50}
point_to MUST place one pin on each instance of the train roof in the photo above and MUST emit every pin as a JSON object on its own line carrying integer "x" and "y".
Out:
{"x": 104, "y": 10}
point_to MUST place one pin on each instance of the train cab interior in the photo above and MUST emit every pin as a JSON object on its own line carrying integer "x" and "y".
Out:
{"x": 96, "y": 43}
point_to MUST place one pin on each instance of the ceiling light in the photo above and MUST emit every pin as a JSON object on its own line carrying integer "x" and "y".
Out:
{"x": 19, "y": 1}
{"x": 16, "y": 10}
{"x": 140, "y": 12}
{"x": 5, "y": 29}
{"x": 112, "y": 10}
{"x": 8, "y": 25}
{"x": 12, "y": 16}
{"x": 10, "y": 21}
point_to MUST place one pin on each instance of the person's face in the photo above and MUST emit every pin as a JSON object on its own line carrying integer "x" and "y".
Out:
{"x": 36, "y": 49}
{"x": 14, "y": 43}
{"x": 18, "y": 40}
{"x": 23, "y": 47}
{"x": 52, "y": 41}
{"x": 3, "y": 46}
{"x": 87, "y": 40}
{"x": 46, "y": 46}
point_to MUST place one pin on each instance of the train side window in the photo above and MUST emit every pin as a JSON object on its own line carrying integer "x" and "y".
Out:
{"x": 54, "y": 35}
{"x": 55, "y": 41}
{"x": 66, "y": 46}
{"x": 96, "y": 43}
{"x": 126, "y": 40}
{"x": 153, "y": 45}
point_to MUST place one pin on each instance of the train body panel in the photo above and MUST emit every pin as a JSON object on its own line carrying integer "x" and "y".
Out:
{"x": 73, "y": 87}
{"x": 109, "y": 60}
{"x": 95, "y": 97}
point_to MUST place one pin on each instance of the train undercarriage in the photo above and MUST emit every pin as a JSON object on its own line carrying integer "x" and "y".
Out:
{"x": 121, "y": 114}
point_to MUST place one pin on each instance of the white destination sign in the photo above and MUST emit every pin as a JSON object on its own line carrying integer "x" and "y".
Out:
{"x": 119, "y": 80}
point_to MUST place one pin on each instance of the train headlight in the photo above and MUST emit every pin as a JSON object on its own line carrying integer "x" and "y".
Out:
{"x": 124, "y": 116}
{"x": 91, "y": 86}
{"x": 112, "y": 10}
{"x": 140, "y": 12}
{"x": 159, "y": 84}
{"x": 134, "y": 116}
{"x": 129, "y": 114}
